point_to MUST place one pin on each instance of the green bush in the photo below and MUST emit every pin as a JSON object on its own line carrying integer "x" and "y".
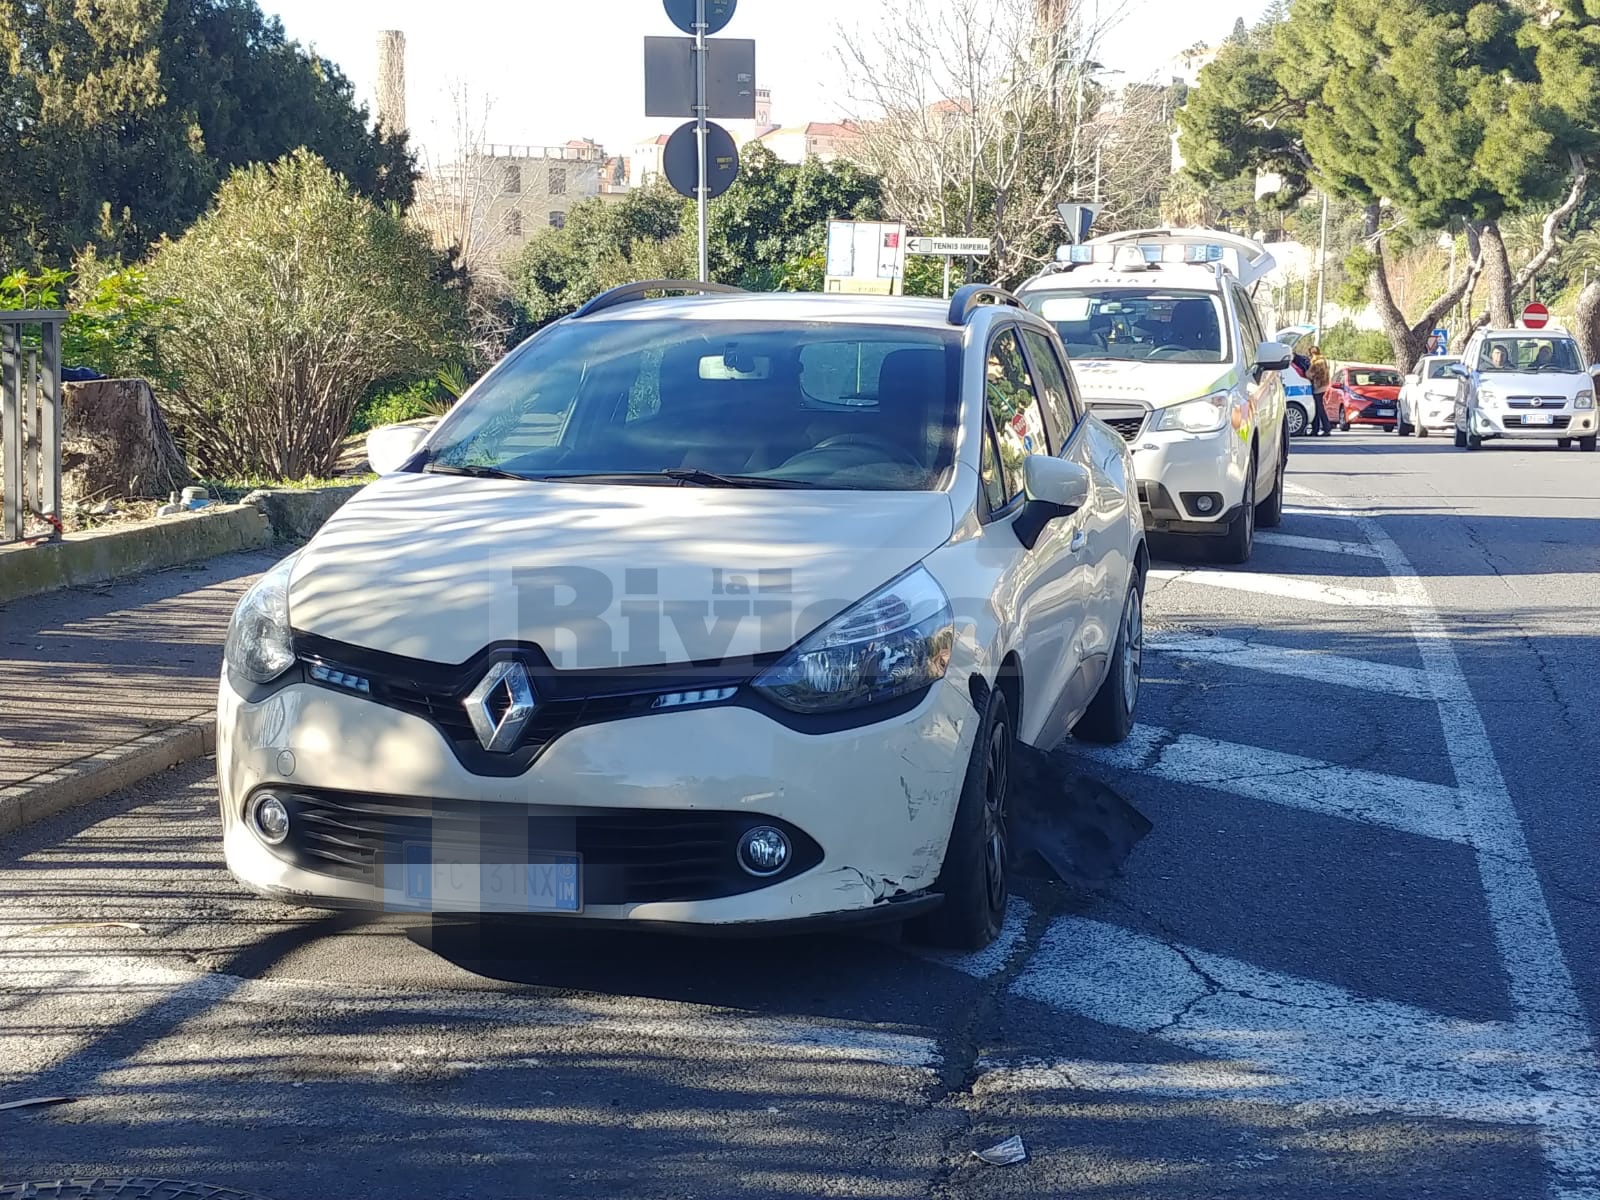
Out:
{"x": 294, "y": 296}
{"x": 391, "y": 406}
{"x": 1345, "y": 343}
{"x": 113, "y": 322}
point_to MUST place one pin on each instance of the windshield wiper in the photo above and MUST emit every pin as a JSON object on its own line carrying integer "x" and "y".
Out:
{"x": 474, "y": 472}
{"x": 701, "y": 478}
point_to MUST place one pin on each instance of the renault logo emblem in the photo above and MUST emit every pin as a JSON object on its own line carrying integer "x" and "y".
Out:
{"x": 501, "y": 706}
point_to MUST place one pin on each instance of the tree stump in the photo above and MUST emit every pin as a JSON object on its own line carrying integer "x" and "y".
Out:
{"x": 115, "y": 443}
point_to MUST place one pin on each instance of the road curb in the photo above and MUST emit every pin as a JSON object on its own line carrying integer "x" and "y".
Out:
{"x": 98, "y": 775}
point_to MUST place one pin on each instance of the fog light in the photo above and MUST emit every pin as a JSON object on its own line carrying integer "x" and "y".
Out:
{"x": 764, "y": 851}
{"x": 1204, "y": 504}
{"x": 270, "y": 818}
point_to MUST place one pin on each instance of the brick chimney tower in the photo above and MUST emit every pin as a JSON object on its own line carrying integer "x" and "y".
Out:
{"x": 392, "y": 81}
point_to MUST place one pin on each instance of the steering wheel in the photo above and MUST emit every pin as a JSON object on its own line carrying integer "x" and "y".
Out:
{"x": 1173, "y": 349}
{"x": 889, "y": 450}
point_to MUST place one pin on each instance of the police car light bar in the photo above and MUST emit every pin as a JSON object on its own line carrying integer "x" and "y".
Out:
{"x": 1137, "y": 257}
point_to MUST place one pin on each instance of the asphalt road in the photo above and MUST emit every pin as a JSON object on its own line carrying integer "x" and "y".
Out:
{"x": 1358, "y": 956}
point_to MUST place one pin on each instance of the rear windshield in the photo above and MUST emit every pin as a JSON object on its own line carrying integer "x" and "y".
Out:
{"x": 1360, "y": 377}
{"x": 804, "y": 405}
{"x": 1143, "y": 324}
{"x": 1530, "y": 354}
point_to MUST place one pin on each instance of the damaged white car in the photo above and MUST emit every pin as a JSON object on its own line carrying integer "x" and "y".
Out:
{"x": 719, "y": 611}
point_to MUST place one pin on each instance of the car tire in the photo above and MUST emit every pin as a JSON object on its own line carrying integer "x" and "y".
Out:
{"x": 1269, "y": 512}
{"x": 1563, "y": 443}
{"x": 1344, "y": 420}
{"x": 1236, "y": 545}
{"x": 1296, "y": 420}
{"x": 1403, "y": 429}
{"x": 974, "y": 878}
{"x": 1422, "y": 431}
{"x": 1111, "y": 714}
{"x": 1461, "y": 439}
{"x": 1588, "y": 444}
{"x": 1474, "y": 442}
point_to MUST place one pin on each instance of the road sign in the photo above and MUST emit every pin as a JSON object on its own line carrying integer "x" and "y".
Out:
{"x": 1439, "y": 343}
{"x": 1079, "y": 219}
{"x": 959, "y": 247}
{"x": 866, "y": 257}
{"x": 681, "y": 160}
{"x": 718, "y": 14}
{"x": 669, "y": 78}
{"x": 1535, "y": 316}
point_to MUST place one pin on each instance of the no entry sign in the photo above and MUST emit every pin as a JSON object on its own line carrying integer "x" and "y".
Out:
{"x": 1536, "y": 316}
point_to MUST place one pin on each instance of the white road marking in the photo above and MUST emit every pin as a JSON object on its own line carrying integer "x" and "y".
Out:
{"x": 1288, "y": 586}
{"x": 1410, "y": 805}
{"x": 1301, "y": 664}
{"x": 1294, "y": 541}
{"x": 1273, "y": 1037}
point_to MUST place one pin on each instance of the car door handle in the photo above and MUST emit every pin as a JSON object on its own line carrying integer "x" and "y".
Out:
{"x": 1080, "y": 539}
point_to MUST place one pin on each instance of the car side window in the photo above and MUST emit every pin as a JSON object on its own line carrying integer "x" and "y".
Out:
{"x": 1060, "y": 416}
{"x": 994, "y": 485}
{"x": 1014, "y": 408}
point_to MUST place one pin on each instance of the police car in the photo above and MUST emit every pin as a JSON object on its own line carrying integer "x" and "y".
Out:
{"x": 1169, "y": 350}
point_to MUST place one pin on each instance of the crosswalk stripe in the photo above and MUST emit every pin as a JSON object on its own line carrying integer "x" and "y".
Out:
{"x": 1410, "y": 805}
{"x": 1294, "y": 541}
{"x": 1274, "y": 1037}
{"x": 1288, "y": 586}
{"x": 1300, "y": 664}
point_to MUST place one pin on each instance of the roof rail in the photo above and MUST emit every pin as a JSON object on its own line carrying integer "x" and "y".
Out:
{"x": 969, "y": 297}
{"x": 630, "y": 292}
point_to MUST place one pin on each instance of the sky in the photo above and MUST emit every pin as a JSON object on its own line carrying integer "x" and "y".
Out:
{"x": 550, "y": 70}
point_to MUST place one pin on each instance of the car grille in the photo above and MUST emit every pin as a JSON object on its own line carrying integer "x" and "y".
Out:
{"x": 567, "y": 700}
{"x": 1537, "y": 402}
{"x": 1128, "y": 427}
{"x": 629, "y": 856}
{"x": 1557, "y": 421}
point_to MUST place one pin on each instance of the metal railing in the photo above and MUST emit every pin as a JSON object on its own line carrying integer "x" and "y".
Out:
{"x": 30, "y": 419}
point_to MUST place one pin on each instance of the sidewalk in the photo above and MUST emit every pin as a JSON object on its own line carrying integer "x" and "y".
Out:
{"x": 102, "y": 686}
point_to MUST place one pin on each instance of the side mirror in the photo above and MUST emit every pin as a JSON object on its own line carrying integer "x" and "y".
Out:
{"x": 1052, "y": 488}
{"x": 1595, "y": 370}
{"x": 1273, "y": 356}
{"x": 1459, "y": 370}
{"x": 389, "y": 447}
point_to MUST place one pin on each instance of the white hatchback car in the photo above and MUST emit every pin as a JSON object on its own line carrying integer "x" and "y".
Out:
{"x": 1427, "y": 402}
{"x": 711, "y": 611}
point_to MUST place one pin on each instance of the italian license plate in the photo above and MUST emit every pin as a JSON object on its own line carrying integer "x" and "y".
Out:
{"x": 440, "y": 879}
{"x": 1538, "y": 419}
{"x": 1384, "y": 412}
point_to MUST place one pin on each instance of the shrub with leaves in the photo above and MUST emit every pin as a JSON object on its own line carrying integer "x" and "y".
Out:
{"x": 113, "y": 322}
{"x": 293, "y": 296}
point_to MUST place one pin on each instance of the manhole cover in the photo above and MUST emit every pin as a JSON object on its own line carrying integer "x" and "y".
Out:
{"x": 122, "y": 1189}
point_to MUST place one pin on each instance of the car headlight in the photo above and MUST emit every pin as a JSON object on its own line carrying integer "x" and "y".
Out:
{"x": 1205, "y": 415}
{"x": 894, "y": 642}
{"x": 260, "y": 646}
{"x": 1584, "y": 399}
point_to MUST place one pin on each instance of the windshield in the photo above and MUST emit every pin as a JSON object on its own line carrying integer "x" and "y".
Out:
{"x": 809, "y": 405}
{"x": 1530, "y": 355}
{"x": 1137, "y": 324}
{"x": 1440, "y": 368}
{"x": 1361, "y": 377}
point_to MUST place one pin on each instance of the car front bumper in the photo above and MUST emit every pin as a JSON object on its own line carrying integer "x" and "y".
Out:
{"x": 1564, "y": 423}
{"x": 1176, "y": 470}
{"x": 1436, "y": 414}
{"x": 1367, "y": 416}
{"x": 367, "y": 783}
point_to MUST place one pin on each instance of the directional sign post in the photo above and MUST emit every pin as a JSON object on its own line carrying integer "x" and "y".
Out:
{"x": 948, "y": 248}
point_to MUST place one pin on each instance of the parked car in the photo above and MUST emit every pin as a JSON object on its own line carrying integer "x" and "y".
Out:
{"x": 713, "y": 611}
{"x": 1360, "y": 394}
{"x": 1169, "y": 348}
{"x": 1297, "y": 394}
{"x": 1428, "y": 398}
{"x": 1524, "y": 384}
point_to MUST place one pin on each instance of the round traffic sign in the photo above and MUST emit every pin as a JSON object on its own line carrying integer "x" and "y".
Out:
{"x": 718, "y": 14}
{"x": 1536, "y": 316}
{"x": 681, "y": 160}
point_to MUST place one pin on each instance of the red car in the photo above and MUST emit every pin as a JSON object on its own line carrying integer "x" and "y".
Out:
{"x": 1363, "y": 395}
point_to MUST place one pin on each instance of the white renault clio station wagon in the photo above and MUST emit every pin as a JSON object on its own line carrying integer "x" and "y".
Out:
{"x": 708, "y": 611}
